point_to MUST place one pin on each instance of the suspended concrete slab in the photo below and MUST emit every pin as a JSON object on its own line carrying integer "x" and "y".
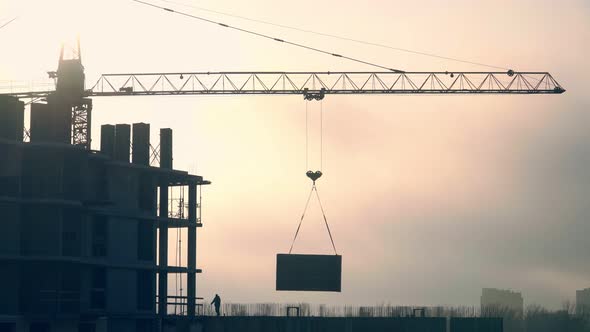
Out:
{"x": 315, "y": 273}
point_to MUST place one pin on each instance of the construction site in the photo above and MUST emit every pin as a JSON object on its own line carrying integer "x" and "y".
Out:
{"x": 87, "y": 233}
{"x": 84, "y": 245}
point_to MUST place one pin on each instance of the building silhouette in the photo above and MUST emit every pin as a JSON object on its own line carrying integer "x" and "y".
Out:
{"x": 501, "y": 302}
{"x": 81, "y": 229}
{"x": 583, "y": 302}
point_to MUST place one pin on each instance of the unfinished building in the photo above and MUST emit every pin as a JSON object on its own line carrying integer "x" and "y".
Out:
{"x": 84, "y": 239}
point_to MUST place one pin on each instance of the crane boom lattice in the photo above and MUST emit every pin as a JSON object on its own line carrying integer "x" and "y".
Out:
{"x": 315, "y": 85}
{"x": 323, "y": 83}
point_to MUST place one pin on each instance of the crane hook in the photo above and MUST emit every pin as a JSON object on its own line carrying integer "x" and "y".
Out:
{"x": 314, "y": 175}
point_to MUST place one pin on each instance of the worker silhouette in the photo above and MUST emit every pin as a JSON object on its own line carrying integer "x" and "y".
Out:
{"x": 217, "y": 303}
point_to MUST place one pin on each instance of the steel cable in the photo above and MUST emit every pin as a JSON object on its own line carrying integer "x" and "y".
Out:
{"x": 268, "y": 37}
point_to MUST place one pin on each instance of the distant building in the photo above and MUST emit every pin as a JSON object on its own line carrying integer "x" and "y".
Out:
{"x": 583, "y": 301}
{"x": 495, "y": 302}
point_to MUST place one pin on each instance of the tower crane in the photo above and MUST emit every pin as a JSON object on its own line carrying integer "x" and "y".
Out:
{"x": 70, "y": 86}
{"x": 70, "y": 82}
{"x": 70, "y": 91}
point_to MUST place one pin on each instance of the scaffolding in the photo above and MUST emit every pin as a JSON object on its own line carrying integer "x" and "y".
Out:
{"x": 180, "y": 209}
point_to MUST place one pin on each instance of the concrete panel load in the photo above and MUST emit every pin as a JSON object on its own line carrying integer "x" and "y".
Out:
{"x": 11, "y": 118}
{"x": 310, "y": 272}
{"x": 319, "y": 273}
{"x": 297, "y": 272}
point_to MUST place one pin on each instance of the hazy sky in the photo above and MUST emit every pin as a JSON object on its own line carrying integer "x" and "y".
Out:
{"x": 430, "y": 198}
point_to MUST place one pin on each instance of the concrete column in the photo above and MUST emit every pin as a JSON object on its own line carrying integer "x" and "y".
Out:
{"x": 163, "y": 253}
{"x": 12, "y": 121}
{"x": 165, "y": 162}
{"x": 51, "y": 122}
{"x": 192, "y": 249}
{"x": 122, "y": 142}
{"x": 39, "y": 120}
{"x": 107, "y": 139}
{"x": 166, "y": 148}
{"x": 60, "y": 120}
{"x": 141, "y": 144}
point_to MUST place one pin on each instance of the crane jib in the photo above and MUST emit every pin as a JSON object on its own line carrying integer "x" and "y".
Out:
{"x": 312, "y": 85}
